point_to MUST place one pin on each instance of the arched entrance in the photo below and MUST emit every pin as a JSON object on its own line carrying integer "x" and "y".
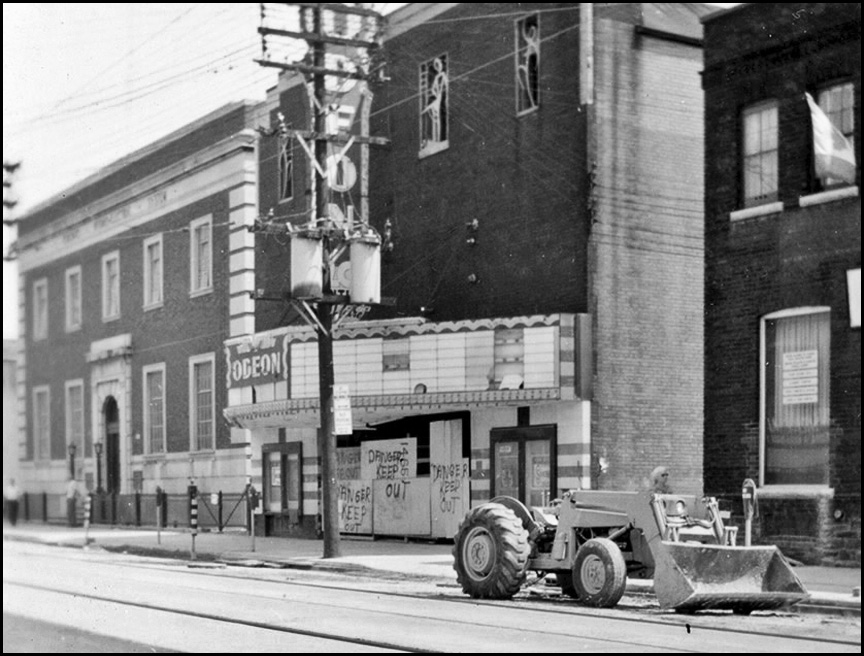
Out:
{"x": 111, "y": 418}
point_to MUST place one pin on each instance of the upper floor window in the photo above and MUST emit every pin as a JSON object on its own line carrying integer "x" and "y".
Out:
{"x": 154, "y": 408}
{"x": 286, "y": 168}
{"x": 153, "y": 268}
{"x": 434, "y": 106}
{"x": 759, "y": 166}
{"x": 201, "y": 255}
{"x": 42, "y": 422}
{"x": 796, "y": 347}
{"x": 111, "y": 286}
{"x": 73, "y": 299}
{"x": 835, "y": 152}
{"x": 40, "y": 309}
{"x": 75, "y": 415}
{"x": 202, "y": 418}
{"x": 527, "y": 64}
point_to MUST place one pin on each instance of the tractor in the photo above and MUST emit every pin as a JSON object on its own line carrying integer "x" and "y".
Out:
{"x": 591, "y": 541}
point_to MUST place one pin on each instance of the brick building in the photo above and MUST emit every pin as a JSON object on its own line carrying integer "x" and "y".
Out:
{"x": 783, "y": 271}
{"x": 543, "y": 192}
{"x": 125, "y": 283}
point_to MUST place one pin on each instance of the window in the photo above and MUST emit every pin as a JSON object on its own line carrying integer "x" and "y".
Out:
{"x": 153, "y": 271}
{"x": 760, "y": 154}
{"x": 201, "y": 255}
{"x": 111, "y": 286}
{"x": 523, "y": 463}
{"x": 509, "y": 353}
{"x": 838, "y": 103}
{"x": 796, "y": 393}
{"x": 75, "y": 415}
{"x": 286, "y": 168}
{"x": 434, "y": 106}
{"x": 42, "y": 422}
{"x": 395, "y": 355}
{"x": 527, "y": 64}
{"x": 202, "y": 419}
{"x": 73, "y": 299}
{"x": 40, "y": 309}
{"x": 154, "y": 408}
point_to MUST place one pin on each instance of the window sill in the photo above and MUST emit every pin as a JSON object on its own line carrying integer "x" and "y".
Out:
{"x": 795, "y": 492}
{"x": 828, "y": 196}
{"x": 201, "y": 292}
{"x": 116, "y": 317}
{"x": 73, "y": 329}
{"x": 153, "y": 306}
{"x": 433, "y": 147}
{"x": 760, "y": 210}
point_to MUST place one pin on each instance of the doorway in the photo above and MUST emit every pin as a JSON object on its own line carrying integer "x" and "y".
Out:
{"x": 111, "y": 417}
{"x": 523, "y": 463}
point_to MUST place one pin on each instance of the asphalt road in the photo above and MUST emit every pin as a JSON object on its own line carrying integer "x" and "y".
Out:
{"x": 170, "y": 606}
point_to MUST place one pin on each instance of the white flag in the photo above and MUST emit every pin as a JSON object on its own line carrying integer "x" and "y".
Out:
{"x": 833, "y": 154}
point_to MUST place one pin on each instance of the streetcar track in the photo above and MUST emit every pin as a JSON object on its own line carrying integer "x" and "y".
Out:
{"x": 571, "y": 610}
{"x": 226, "y": 620}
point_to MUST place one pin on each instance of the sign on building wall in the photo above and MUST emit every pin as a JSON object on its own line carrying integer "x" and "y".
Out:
{"x": 390, "y": 459}
{"x": 260, "y": 359}
{"x": 800, "y": 377}
{"x": 449, "y": 497}
{"x": 401, "y": 507}
{"x": 348, "y": 463}
{"x": 355, "y": 506}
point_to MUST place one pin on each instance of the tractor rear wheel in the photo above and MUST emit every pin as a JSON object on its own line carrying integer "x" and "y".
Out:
{"x": 490, "y": 554}
{"x": 599, "y": 573}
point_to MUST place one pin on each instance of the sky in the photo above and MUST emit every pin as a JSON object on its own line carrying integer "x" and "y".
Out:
{"x": 85, "y": 84}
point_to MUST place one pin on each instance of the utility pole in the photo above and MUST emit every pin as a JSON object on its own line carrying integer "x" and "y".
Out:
{"x": 317, "y": 309}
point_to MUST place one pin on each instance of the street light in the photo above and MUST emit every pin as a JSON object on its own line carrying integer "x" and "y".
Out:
{"x": 97, "y": 446}
{"x": 72, "y": 448}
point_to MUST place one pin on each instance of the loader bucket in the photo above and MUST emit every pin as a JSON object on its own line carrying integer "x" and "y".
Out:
{"x": 690, "y": 576}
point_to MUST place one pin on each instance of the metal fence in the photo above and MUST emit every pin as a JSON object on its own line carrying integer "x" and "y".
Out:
{"x": 217, "y": 511}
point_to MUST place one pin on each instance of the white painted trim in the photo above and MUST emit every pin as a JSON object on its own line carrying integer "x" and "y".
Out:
{"x": 194, "y": 255}
{"x": 147, "y": 304}
{"x": 193, "y": 402}
{"x": 173, "y": 188}
{"x": 796, "y": 492}
{"x": 72, "y": 271}
{"x": 108, "y": 257}
{"x": 145, "y": 406}
{"x": 760, "y": 210}
{"x": 763, "y": 354}
{"x": 40, "y": 322}
{"x": 413, "y": 14}
{"x": 149, "y": 149}
{"x": 828, "y": 196}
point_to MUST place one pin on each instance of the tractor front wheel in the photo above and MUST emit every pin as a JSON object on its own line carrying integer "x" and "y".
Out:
{"x": 599, "y": 573}
{"x": 491, "y": 552}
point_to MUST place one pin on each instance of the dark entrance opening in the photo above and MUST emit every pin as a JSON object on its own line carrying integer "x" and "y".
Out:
{"x": 111, "y": 415}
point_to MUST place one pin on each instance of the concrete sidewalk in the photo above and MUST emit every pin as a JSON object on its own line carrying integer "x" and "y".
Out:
{"x": 833, "y": 590}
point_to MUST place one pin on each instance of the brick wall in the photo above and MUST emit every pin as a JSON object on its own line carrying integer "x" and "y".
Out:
{"x": 182, "y": 327}
{"x": 796, "y": 258}
{"x": 647, "y": 259}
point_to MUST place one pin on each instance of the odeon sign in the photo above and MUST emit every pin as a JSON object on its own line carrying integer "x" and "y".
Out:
{"x": 262, "y": 359}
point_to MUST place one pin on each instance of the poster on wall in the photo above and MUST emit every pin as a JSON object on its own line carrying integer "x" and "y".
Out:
{"x": 449, "y": 496}
{"x": 348, "y": 463}
{"x": 401, "y": 507}
{"x": 355, "y": 507}
{"x": 388, "y": 459}
{"x": 800, "y": 377}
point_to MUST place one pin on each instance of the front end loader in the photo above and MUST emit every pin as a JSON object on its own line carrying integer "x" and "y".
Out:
{"x": 593, "y": 540}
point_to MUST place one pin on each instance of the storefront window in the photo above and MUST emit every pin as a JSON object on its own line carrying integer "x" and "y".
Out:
{"x": 797, "y": 347}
